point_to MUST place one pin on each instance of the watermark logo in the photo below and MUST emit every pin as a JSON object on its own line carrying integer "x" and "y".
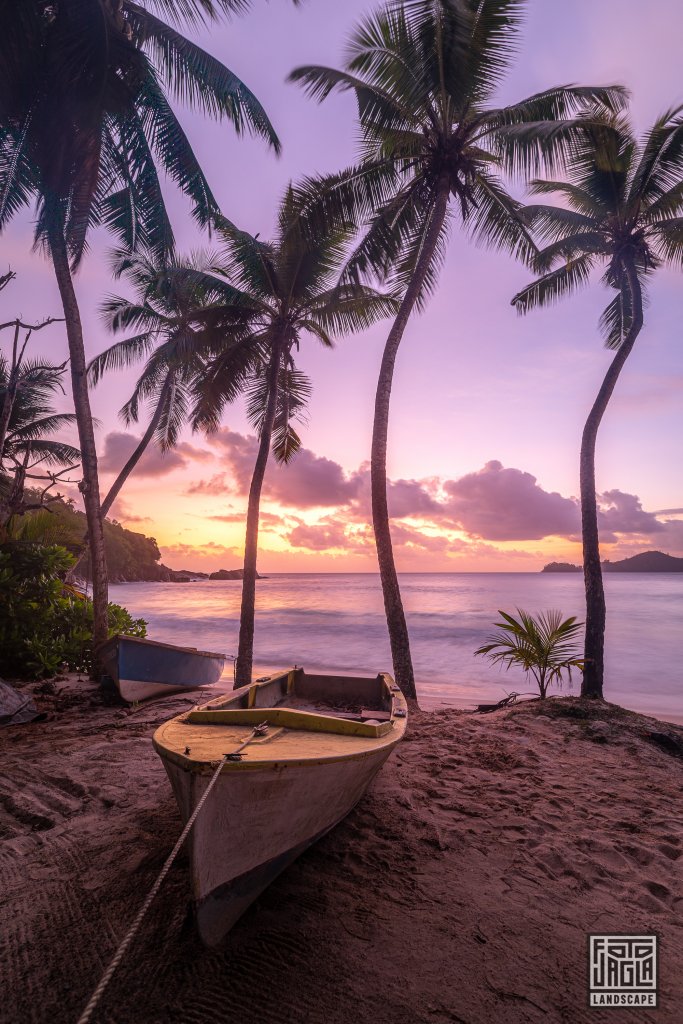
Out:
{"x": 622, "y": 970}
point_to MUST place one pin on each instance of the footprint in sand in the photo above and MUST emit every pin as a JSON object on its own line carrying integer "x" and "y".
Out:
{"x": 669, "y": 851}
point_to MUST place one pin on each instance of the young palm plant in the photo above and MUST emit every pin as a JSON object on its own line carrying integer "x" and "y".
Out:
{"x": 543, "y": 645}
{"x": 84, "y": 118}
{"x": 622, "y": 211}
{"x": 292, "y": 283}
{"x": 433, "y": 143}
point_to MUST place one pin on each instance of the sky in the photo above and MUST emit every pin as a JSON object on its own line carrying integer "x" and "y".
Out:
{"x": 487, "y": 407}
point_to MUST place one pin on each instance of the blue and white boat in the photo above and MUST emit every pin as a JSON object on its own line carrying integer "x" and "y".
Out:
{"x": 142, "y": 668}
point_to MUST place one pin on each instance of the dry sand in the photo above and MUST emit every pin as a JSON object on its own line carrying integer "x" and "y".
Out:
{"x": 462, "y": 888}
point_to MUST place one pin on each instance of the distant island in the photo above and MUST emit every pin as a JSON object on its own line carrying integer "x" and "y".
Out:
{"x": 188, "y": 576}
{"x": 646, "y": 561}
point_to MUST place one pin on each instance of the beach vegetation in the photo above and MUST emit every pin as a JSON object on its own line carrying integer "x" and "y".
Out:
{"x": 621, "y": 211}
{"x": 131, "y": 555}
{"x": 45, "y": 626}
{"x": 434, "y": 142}
{"x": 543, "y": 646}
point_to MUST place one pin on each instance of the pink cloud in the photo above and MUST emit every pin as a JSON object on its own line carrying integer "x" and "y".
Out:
{"x": 319, "y": 537}
{"x": 120, "y": 511}
{"x": 624, "y": 513}
{"x": 309, "y": 481}
{"x": 194, "y": 453}
{"x": 404, "y": 497}
{"x": 119, "y": 446}
{"x": 495, "y": 503}
{"x": 502, "y": 504}
{"x": 215, "y": 485}
{"x": 411, "y": 537}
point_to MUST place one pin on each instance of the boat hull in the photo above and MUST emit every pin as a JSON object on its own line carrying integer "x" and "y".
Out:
{"x": 143, "y": 668}
{"x": 257, "y": 822}
{"x": 273, "y": 766}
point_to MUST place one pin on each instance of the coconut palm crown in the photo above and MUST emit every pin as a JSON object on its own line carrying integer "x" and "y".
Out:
{"x": 29, "y": 449}
{"x": 433, "y": 143}
{"x": 622, "y": 211}
{"x": 33, "y": 421}
{"x": 85, "y": 117}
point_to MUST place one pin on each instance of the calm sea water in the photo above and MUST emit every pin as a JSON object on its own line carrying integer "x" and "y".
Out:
{"x": 336, "y": 622}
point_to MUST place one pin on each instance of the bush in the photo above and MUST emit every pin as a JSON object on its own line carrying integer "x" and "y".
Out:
{"x": 44, "y": 625}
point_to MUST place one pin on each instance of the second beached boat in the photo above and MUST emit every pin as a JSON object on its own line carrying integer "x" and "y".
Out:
{"x": 142, "y": 668}
{"x": 297, "y": 752}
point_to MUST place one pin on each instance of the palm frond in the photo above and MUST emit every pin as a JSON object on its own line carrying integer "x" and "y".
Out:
{"x": 616, "y": 319}
{"x": 660, "y": 168}
{"x": 494, "y": 219}
{"x": 553, "y": 286}
{"x": 120, "y": 355}
{"x": 198, "y": 79}
{"x": 667, "y": 240}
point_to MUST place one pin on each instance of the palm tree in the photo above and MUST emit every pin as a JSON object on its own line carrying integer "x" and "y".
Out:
{"x": 83, "y": 118}
{"x": 622, "y": 210}
{"x": 291, "y": 286}
{"x": 424, "y": 73}
{"x": 173, "y": 302}
{"x": 29, "y": 441}
{"x": 11, "y": 373}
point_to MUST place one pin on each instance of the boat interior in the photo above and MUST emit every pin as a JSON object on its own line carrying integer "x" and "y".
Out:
{"x": 356, "y": 705}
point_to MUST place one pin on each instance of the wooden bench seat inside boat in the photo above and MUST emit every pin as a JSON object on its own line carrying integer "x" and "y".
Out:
{"x": 348, "y": 705}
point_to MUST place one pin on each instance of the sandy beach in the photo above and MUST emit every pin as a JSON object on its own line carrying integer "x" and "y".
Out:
{"x": 462, "y": 889}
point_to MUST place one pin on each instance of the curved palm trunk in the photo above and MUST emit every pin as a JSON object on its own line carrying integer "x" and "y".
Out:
{"x": 10, "y": 393}
{"x": 127, "y": 469}
{"x": 245, "y": 650}
{"x": 594, "y": 649}
{"x": 89, "y": 486}
{"x": 141, "y": 448}
{"x": 393, "y": 606}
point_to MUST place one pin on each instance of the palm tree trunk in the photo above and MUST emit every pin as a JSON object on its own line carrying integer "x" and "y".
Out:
{"x": 141, "y": 448}
{"x": 245, "y": 649}
{"x": 5, "y": 416}
{"x": 594, "y": 649}
{"x": 10, "y": 393}
{"x": 89, "y": 485}
{"x": 393, "y": 606}
{"x": 127, "y": 470}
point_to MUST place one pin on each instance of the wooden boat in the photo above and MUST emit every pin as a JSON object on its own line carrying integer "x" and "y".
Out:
{"x": 305, "y": 748}
{"x": 142, "y": 668}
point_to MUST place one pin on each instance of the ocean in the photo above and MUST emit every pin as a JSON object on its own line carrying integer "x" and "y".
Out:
{"x": 335, "y": 622}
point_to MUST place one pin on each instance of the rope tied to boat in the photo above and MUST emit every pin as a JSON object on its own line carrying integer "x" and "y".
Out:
{"x": 258, "y": 730}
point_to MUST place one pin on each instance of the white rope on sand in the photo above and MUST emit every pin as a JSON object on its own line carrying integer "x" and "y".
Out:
{"x": 132, "y": 931}
{"x": 86, "y": 1016}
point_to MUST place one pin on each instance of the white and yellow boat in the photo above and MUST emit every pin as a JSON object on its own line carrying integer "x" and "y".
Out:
{"x": 301, "y": 751}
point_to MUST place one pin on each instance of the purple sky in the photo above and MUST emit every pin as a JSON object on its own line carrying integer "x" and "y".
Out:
{"x": 476, "y": 387}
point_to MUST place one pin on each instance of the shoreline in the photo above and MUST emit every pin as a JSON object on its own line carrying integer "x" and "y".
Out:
{"x": 462, "y": 888}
